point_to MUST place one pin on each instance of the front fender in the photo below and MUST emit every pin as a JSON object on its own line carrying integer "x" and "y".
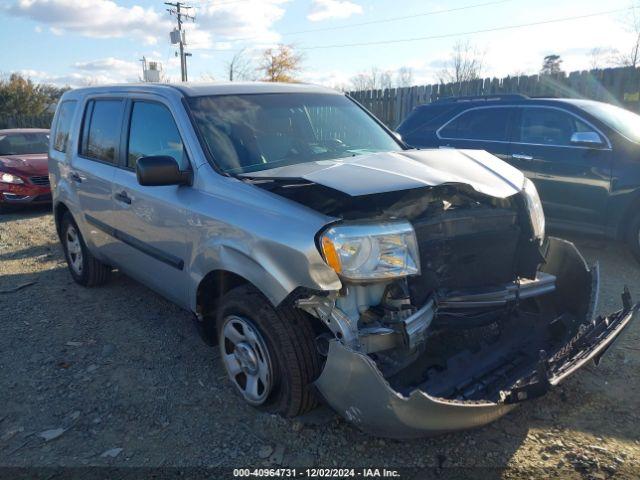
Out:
{"x": 275, "y": 269}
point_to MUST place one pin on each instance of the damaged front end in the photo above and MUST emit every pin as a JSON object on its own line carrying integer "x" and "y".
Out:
{"x": 488, "y": 314}
{"x": 468, "y": 377}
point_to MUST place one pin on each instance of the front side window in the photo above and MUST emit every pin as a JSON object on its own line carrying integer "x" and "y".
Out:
{"x": 623, "y": 121}
{"x": 153, "y": 132}
{"x": 63, "y": 126}
{"x": 26, "y": 143}
{"x": 246, "y": 133}
{"x": 478, "y": 124}
{"x": 548, "y": 126}
{"x": 102, "y": 126}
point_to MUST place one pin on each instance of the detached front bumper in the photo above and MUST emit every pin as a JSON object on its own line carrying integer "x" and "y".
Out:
{"x": 352, "y": 384}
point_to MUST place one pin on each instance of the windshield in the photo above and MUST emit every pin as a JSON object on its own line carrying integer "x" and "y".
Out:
{"x": 623, "y": 121}
{"x": 246, "y": 133}
{"x": 24, "y": 143}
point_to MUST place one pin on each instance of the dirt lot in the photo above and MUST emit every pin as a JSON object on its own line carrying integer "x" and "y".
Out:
{"x": 118, "y": 376}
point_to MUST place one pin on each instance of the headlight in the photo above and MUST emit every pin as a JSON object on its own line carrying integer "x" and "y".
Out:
{"x": 535, "y": 209}
{"x": 10, "y": 178}
{"x": 371, "y": 252}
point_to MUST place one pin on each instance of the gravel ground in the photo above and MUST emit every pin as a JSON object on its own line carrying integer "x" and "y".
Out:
{"x": 118, "y": 376}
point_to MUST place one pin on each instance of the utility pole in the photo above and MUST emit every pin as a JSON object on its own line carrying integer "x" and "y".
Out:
{"x": 177, "y": 10}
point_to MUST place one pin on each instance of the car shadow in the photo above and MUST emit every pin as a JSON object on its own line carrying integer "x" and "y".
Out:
{"x": 10, "y": 213}
{"x": 38, "y": 252}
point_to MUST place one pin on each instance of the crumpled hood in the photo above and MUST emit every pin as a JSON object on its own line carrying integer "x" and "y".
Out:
{"x": 28, "y": 165}
{"x": 392, "y": 171}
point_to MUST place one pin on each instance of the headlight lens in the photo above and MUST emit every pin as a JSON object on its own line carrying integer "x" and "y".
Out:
{"x": 371, "y": 252}
{"x": 10, "y": 178}
{"x": 535, "y": 209}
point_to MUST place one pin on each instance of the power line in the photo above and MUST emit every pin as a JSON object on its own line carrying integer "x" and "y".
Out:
{"x": 449, "y": 35}
{"x": 387, "y": 20}
{"x": 473, "y": 32}
{"x": 372, "y": 22}
{"x": 217, "y": 4}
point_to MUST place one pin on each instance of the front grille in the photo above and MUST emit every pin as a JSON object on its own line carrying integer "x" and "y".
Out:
{"x": 42, "y": 181}
{"x": 466, "y": 248}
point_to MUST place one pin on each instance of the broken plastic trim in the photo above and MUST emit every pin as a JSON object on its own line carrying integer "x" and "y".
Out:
{"x": 353, "y": 385}
{"x": 525, "y": 288}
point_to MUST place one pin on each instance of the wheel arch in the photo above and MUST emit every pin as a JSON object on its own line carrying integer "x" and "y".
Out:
{"x": 625, "y": 221}
{"x": 59, "y": 209}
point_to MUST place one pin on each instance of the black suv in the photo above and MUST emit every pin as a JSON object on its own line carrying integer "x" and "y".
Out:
{"x": 582, "y": 155}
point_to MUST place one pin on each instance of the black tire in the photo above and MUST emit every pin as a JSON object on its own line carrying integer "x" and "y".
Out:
{"x": 290, "y": 342}
{"x": 633, "y": 237}
{"x": 92, "y": 272}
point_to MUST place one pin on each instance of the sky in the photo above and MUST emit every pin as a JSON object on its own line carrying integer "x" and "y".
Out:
{"x": 79, "y": 42}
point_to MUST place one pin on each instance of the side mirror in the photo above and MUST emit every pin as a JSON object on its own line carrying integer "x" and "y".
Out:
{"x": 587, "y": 139}
{"x": 161, "y": 170}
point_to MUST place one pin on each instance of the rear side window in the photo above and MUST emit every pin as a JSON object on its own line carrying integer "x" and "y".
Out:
{"x": 101, "y": 132}
{"x": 154, "y": 132}
{"x": 425, "y": 118}
{"x": 63, "y": 125}
{"x": 478, "y": 124}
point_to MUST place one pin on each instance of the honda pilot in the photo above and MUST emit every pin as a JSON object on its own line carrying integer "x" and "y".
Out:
{"x": 415, "y": 292}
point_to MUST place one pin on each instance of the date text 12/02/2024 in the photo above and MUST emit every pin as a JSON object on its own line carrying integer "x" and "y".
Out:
{"x": 316, "y": 473}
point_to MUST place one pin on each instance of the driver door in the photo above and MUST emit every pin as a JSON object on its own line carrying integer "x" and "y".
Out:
{"x": 152, "y": 219}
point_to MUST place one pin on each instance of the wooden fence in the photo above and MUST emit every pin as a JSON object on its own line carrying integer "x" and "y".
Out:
{"x": 620, "y": 86}
{"x": 26, "y": 121}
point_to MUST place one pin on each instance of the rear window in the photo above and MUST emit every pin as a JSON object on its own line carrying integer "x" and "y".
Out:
{"x": 101, "y": 130}
{"x": 24, "y": 143}
{"x": 479, "y": 124}
{"x": 63, "y": 125}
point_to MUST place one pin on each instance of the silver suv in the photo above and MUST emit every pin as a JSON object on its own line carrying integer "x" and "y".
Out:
{"x": 414, "y": 291}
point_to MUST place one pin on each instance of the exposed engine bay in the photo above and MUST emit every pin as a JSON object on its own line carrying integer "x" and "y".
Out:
{"x": 495, "y": 315}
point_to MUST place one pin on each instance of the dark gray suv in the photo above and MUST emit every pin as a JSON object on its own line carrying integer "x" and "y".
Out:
{"x": 414, "y": 291}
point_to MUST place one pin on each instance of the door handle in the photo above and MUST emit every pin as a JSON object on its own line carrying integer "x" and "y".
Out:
{"x": 521, "y": 156}
{"x": 75, "y": 177}
{"x": 123, "y": 197}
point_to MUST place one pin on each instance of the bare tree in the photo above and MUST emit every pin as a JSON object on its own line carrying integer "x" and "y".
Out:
{"x": 632, "y": 57}
{"x": 281, "y": 64}
{"x": 601, "y": 57}
{"x": 404, "y": 77}
{"x": 241, "y": 67}
{"x": 374, "y": 79}
{"x": 464, "y": 65}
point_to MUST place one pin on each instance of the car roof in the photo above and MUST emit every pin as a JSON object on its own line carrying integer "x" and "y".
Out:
{"x": 15, "y": 131}
{"x": 509, "y": 99}
{"x": 203, "y": 89}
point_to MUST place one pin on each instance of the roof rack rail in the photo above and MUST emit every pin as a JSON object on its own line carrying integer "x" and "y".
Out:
{"x": 486, "y": 98}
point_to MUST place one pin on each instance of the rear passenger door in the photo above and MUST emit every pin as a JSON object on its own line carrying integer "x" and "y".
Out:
{"x": 481, "y": 128}
{"x": 93, "y": 169}
{"x": 152, "y": 221}
{"x": 573, "y": 180}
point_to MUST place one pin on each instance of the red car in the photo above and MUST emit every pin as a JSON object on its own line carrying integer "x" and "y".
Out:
{"x": 24, "y": 175}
